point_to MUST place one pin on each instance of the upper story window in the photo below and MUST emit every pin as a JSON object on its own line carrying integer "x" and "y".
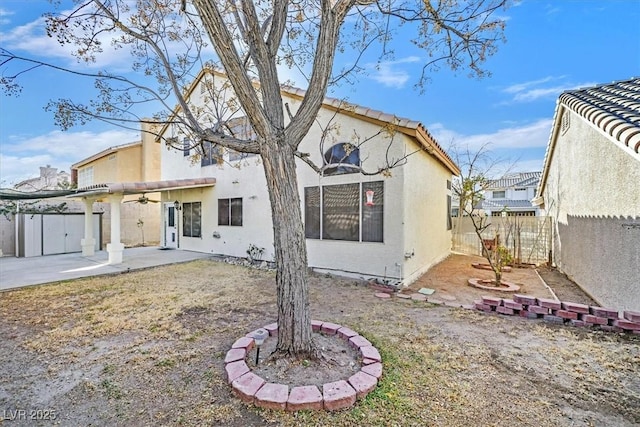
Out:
{"x": 240, "y": 128}
{"x": 501, "y": 194}
{"x": 85, "y": 177}
{"x": 210, "y": 154}
{"x": 342, "y": 158}
{"x": 186, "y": 146}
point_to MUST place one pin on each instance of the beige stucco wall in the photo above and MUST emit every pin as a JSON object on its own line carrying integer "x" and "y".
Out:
{"x": 426, "y": 239}
{"x": 138, "y": 162}
{"x": 418, "y": 187}
{"x": 593, "y": 192}
{"x": 150, "y": 154}
{"x": 247, "y": 183}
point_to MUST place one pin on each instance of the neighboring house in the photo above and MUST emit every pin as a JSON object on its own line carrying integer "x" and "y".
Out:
{"x": 511, "y": 195}
{"x": 49, "y": 179}
{"x": 591, "y": 186}
{"x": 133, "y": 162}
{"x": 392, "y": 227}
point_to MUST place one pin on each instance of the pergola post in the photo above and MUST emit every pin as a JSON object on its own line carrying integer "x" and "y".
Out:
{"x": 115, "y": 248}
{"x": 89, "y": 242}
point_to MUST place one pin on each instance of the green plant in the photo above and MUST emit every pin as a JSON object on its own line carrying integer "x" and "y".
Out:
{"x": 255, "y": 253}
{"x": 140, "y": 225}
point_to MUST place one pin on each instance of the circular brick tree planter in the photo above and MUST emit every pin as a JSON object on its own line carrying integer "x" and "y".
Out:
{"x": 488, "y": 285}
{"x": 342, "y": 394}
{"x": 486, "y": 266}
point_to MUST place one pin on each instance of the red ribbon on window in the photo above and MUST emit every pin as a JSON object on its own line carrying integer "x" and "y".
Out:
{"x": 369, "y": 194}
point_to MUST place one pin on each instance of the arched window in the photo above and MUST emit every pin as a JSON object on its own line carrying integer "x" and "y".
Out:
{"x": 342, "y": 158}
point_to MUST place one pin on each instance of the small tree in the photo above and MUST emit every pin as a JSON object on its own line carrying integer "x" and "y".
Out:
{"x": 168, "y": 40}
{"x": 476, "y": 167}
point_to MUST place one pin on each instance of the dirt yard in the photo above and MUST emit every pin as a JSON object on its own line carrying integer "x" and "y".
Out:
{"x": 147, "y": 348}
{"x": 449, "y": 280}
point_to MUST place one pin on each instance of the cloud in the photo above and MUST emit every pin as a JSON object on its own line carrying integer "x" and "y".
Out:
{"x": 385, "y": 72}
{"x": 32, "y": 39}
{"x": 4, "y": 20}
{"x": 531, "y": 135}
{"x": 20, "y": 158}
{"x": 549, "y": 87}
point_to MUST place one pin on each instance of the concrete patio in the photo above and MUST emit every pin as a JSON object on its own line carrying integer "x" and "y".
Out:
{"x": 20, "y": 272}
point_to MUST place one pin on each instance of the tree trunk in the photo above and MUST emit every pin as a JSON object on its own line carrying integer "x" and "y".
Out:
{"x": 294, "y": 321}
{"x": 498, "y": 276}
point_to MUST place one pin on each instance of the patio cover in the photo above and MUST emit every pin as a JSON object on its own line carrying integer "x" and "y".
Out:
{"x": 116, "y": 191}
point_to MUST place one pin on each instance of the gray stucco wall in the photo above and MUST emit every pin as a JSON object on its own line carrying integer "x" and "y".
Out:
{"x": 593, "y": 193}
{"x": 602, "y": 255}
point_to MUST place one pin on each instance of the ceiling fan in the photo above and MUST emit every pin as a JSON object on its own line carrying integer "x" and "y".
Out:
{"x": 143, "y": 200}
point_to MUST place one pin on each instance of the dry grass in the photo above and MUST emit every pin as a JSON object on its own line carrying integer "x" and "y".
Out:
{"x": 147, "y": 348}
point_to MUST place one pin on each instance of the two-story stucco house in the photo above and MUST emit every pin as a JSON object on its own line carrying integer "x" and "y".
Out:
{"x": 394, "y": 226}
{"x": 137, "y": 161}
{"x": 511, "y": 195}
{"x": 590, "y": 185}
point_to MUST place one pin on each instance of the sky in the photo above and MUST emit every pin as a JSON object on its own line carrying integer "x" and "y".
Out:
{"x": 551, "y": 46}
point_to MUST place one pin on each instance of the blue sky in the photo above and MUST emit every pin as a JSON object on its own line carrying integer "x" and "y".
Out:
{"x": 551, "y": 46}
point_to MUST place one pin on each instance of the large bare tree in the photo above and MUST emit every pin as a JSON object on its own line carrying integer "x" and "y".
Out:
{"x": 170, "y": 40}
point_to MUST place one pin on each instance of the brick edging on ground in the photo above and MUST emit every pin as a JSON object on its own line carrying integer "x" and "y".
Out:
{"x": 529, "y": 307}
{"x": 336, "y": 395}
{"x": 562, "y": 312}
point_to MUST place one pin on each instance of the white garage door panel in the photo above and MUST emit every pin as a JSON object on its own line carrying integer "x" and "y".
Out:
{"x": 53, "y": 234}
{"x": 74, "y": 228}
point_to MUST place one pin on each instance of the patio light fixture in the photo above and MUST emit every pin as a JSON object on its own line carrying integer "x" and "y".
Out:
{"x": 176, "y": 205}
{"x": 259, "y": 336}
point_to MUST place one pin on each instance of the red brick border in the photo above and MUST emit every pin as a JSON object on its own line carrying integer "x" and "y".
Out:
{"x": 337, "y": 395}
{"x": 562, "y": 312}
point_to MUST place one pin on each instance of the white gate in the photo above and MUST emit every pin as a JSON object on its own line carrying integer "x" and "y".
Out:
{"x": 50, "y": 234}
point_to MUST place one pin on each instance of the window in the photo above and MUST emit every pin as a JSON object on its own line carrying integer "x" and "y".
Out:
{"x": 342, "y": 158}
{"x": 351, "y": 212}
{"x": 312, "y": 212}
{"x": 210, "y": 154}
{"x": 239, "y": 127}
{"x": 85, "y": 177}
{"x": 171, "y": 220}
{"x": 191, "y": 219}
{"x": 372, "y": 211}
{"x": 186, "y": 147}
{"x": 230, "y": 212}
{"x": 341, "y": 212}
{"x": 499, "y": 194}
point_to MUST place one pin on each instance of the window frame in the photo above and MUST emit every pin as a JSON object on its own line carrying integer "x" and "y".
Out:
{"x": 186, "y": 146}
{"x": 234, "y": 212}
{"x": 210, "y": 154}
{"x": 316, "y": 216}
{"x": 191, "y": 228}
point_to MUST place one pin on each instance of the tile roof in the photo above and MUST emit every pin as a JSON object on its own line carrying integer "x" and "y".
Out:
{"x": 522, "y": 179}
{"x": 143, "y": 186}
{"x": 494, "y": 204}
{"x": 105, "y": 152}
{"x": 420, "y": 132}
{"x": 614, "y": 108}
